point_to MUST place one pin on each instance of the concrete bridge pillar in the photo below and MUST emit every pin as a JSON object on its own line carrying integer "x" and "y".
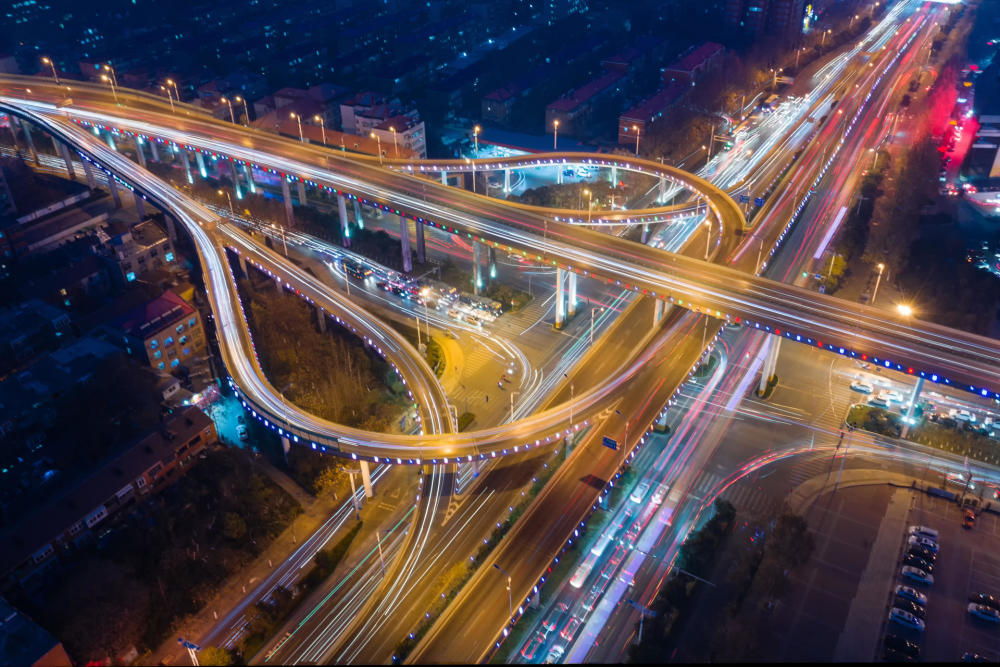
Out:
{"x": 366, "y": 479}
{"x": 249, "y": 174}
{"x": 286, "y": 196}
{"x": 321, "y": 319}
{"x": 154, "y": 150}
{"x": 67, "y": 158}
{"x": 113, "y": 187}
{"x": 302, "y": 192}
{"x": 614, "y": 177}
{"x": 506, "y": 181}
{"x": 770, "y": 362}
{"x": 571, "y": 296}
{"x": 421, "y": 245}
{"x": 912, "y": 407}
{"x": 200, "y": 159}
{"x": 187, "y": 166}
{"x": 88, "y": 169}
{"x": 560, "y": 299}
{"x": 139, "y": 152}
{"x": 444, "y": 178}
{"x": 286, "y": 446}
{"x": 237, "y": 192}
{"x": 663, "y": 189}
{"x": 358, "y": 218}
{"x": 477, "y": 277}
{"x": 110, "y": 138}
{"x": 491, "y": 261}
{"x": 140, "y": 209}
{"x": 345, "y": 228}
{"x": 559, "y": 176}
{"x": 404, "y": 243}
{"x": 27, "y": 137}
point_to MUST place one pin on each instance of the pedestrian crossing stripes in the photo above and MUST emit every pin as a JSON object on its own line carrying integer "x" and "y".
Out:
{"x": 747, "y": 496}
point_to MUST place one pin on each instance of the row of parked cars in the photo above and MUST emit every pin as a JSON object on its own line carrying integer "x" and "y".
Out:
{"x": 909, "y": 606}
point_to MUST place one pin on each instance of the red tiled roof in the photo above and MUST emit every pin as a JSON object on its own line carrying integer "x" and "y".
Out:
{"x": 692, "y": 60}
{"x": 583, "y": 94}
{"x": 655, "y": 104}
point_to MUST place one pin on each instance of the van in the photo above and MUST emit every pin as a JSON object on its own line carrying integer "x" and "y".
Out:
{"x": 924, "y": 531}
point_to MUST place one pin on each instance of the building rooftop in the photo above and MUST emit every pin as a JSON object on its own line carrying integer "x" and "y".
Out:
{"x": 153, "y": 316}
{"x": 696, "y": 58}
{"x": 24, "y": 642}
{"x": 654, "y": 106}
{"x": 584, "y": 94}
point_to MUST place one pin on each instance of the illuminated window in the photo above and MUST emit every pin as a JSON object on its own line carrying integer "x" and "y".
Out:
{"x": 175, "y": 362}
{"x": 179, "y": 328}
{"x": 192, "y": 322}
{"x": 187, "y": 351}
{"x": 153, "y": 344}
{"x": 130, "y": 276}
{"x": 160, "y": 365}
{"x": 157, "y": 354}
{"x": 168, "y": 341}
{"x": 182, "y": 340}
{"x": 169, "y": 256}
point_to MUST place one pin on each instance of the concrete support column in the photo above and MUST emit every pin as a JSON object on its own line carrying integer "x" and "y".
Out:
{"x": 286, "y": 196}
{"x": 404, "y": 243}
{"x": 614, "y": 177}
{"x": 571, "y": 296}
{"x": 444, "y": 178}
{"x": 28, "y": 139}
{"x": 912, "y": 407}
{"x": 249, "y": 174}
{"x": 244, "y": 264}
{"x": 358, "y": 218}
{"x": 645, "y": 233}
{"x": 236, "y": 180}
{"x": 506, "y": 181}
{"x": 13, "y": 132}
{"x": 475, "y": 468}
{"x": 560, "y": 299}
{"x": 421, "y": 246}
{"x": 491, "y": 262}
{"x": 321, "y": 318}
{"x": 559, "y": 174}
{"x": 187, "y": 166}
{"x": 770, "y": 362}
{"x": 286, "y": 446}
{"x": 302, "y": 192}
{"x": 67, "y": 158}
{"x": 200, "y": 159}
{"x": 663, "y": 189}
{"x": 110, "y": 138}
{"x": 88, "y": 169}
{"x": 113, "y": 187}
{"x": 657, "y": 312}
{"x": 279, "y": 285}
{"x": 345, "y": 228}
{"x": 154, "y": 150}
{"x": 172, "y": 230}
{"x": 477, "y": 278}
{"x": 140, "y": 209}
{"x": 139, "y": 152}
{"x": 366, "y": 479}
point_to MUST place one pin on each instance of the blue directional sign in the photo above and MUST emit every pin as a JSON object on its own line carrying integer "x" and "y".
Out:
{"x": 191, "y": 646}
{"x": 744, "y": 199}
{"x": 758, "y": 201}
{"x": 609, "y": 443}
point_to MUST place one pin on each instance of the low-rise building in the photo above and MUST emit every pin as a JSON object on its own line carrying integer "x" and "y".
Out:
{"x": 164, "y": 332}
{"x": 638, "y": 119}
{"x": 694, "y": 64}
{"x": 28, "y": 328}
{"x": 26, "y": 643}
{"x": 402, "y": 136}
{"x": 56, "y": 529}
{"x": 137, "y": 249}
{"x": 574, "y": 109}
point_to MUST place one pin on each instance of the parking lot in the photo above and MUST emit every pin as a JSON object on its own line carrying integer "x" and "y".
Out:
{"x": 968, "y": 562}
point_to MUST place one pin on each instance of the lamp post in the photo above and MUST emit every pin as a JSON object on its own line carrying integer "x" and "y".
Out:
{"x": 395, "y": 146}
{"x": 109, "y": 68}
{"x": 284, "y": 404}
{"x": 246, "y": 111}
{"x": 512, "y": 395}
{"x": 601, "y": 309}
{"x": 555, "y": 134}
{"x": 708, "y": 237}
{"x": 881, "y": 268}
{"x": 853, "y": 19}
{"x": 625, "y": 442}
{"x": 590, "y": 203}
{"x": 475, "y": 137}
{"x": 230, "y": 199}
{"x": 774, "y": 81}
{"x": 111, "y": 82}
{"x": 473, "y": 164}
{"x": 51, "y": 64}
{"x": 823, "y": 41}
{"x": 232, "y": 116}
{"x": 285, "y": 244}
{"x": 571, "y": 398}
{"x": 510, "y": 600}
{"x": 636, "y": 128}
{"x": 169, "y": 97}
{"x": 798, "y": 52}
{"x": 354, "y": 494}
{"x": 322, "y": 127}
{"x": 173, "y": 84}
{"x": 298, "y": 119}
{"x": 379, "y": 141}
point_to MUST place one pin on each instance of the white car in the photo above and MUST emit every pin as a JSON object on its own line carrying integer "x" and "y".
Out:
{"x": 984, "y": 613}
{"x": 862, "y": 387}
{"x": 916, "y": 574}
{"x": 912, "y": 594}
{"x": 924, "y": 542}
{"x": 555, "y": 655}
{"x": 906, "y": 619}
{"x": 962, "y": 415}
{"x": 640, "y": 491}
{"x": 924, "y": 531}
{"x": 657, "y": 496}
{"x": 879, "y": 400}
{"x": 893, "y": 395}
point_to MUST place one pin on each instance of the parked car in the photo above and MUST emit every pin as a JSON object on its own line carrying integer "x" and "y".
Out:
{"x": 903, "y": 645}
{"x": 640, "y": 491}
{"x": 893, "y": 395}
{"x": 905, "y": 619}
{"x": 531, "y": 648}
{"x": 862, "y": 386}
{"x": 974, "y": 657}
{"x": 879, "y": 400}
{"x": 912, "y": 607}
{"x": 930, "y": 545}
{"x": 924, "y": 531}
{"x": 916, "y": 574}
{"x": 926, "y": 554}
{"x": 910, "y": 593}
{"x": 986, "y": 599}
{"x": 984, "y": 613}
{"x": 917, "y": 561}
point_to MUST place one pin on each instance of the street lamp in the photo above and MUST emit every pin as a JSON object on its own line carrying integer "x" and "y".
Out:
{"x": 298, "y": 119}
{"x": 636, "y": 128}
{"x": 246, "y": 111}
{"x": 322, "y": 127}
{"x": 173, "y": 84}
{"x": 232, "y": 117}
{"x": 823, "y": 41}
{"x": 475, "y": 137}
{"x": 571, "y": 397}
{"x": 109, "y": 68}
{"x": 512, "y": 395}
{"x": 379, "y": 140}
{"x": 111, "y": 82}
{"x": 51, "y": 64}
{"x": 169, "y": 97}
{"x": 881, "y": 268}
{"x": 592, "y": 310}
{"x": 473, "y": 164}
{"x": 851, "y": 25}
{"x": 625, "y": 442}
{"x": 798, "y": 52}
{"x": 510, "y": 600}
{"x": 708, "y": 237}
{"x": 221, "y": 192}
{"x": 904, "y": 309}
{"x": 555, "y": 134}
{"x": 774, "y": 82}
{"x": 590, "y": 203}
{"x": 395, "y": 146}
{"x": 285, "y": 244}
